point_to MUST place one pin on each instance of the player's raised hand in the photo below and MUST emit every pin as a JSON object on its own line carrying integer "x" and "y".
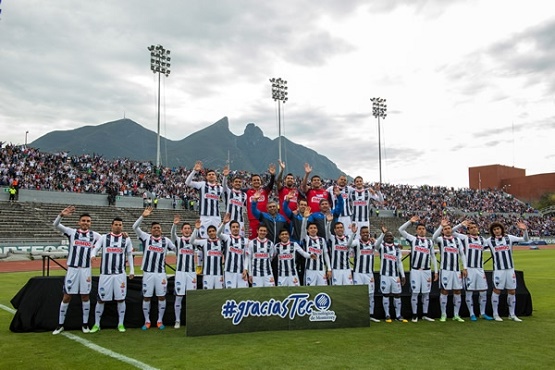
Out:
{"x": 281, "y": 165}
{"x": 147, "y": 211}
{"x": 414, "y": 219}
{"x": 354, "y": 228}
{"x": 444, "y": 222}
{"x": 521, "y": 225}
{"x": 383, "y": 228}
{"x": 198, "y": 166}
{"x": 272, "y": 169}
{"x": 227, "y": 218}
{"x": 198, "y": 224}
{"x": 225, "y": 172}
{"x": 307, "y": 168}
{"x": 176, "y": 219}
{"x": 68, "y": 211}
{"x": 290, "y": 195}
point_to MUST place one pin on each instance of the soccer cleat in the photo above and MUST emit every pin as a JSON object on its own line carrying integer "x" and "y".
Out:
{"x": 473, "y": 318}
{"x": 177, "y": 325}
{"x": 514, "y": 318}
{"x": 58, "y": 330}
{"x": 95, "y": 328}
{"x": 427, "y": 318}
{"x": 401, "y": 319}
{"x": 160, "y": 325}
{"x": 458, "y": 318}
{"x": 414, "y": 318}
{"x": 373, "y": 319}
{"x": 388, "y": 319}
{"x": 486, "y": 317}
{"x": 497, "y": 318}
{"x": 146, "y": 326}
{"x": 85, "y": 328}
{"x": 443, "y": 318}
{"x": 121, "y": 328}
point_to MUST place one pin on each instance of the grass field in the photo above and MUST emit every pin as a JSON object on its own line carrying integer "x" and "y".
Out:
{"x": 477, "y": 345}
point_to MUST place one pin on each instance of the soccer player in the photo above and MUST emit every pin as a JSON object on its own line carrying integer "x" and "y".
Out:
{"x": 363, "y": 273}
{"x": 236, "y": 202}
{"x": 78, "y": 277}
{"x": 260, "y": 252}
{"x": 339, "y": 250}
{"x": 361, "y": 198}
{"x": 212, "y": 251}
{"x": 451, "y": 250}
{"x": 320, "y": 217}
{"x": 209, "y": 197}
{"x": 295, "y": 217}
{"x": 315, "y": 193}
{"x": 262, "y": 202}
{"x": 501, "y": 246}
{"x": 155, "y": 280}
{"x": 317, "y": 271}
{"x": 185, "y": 270}
{"x": 392, "y": 274}
{"x": 236, "y": 263}
{"x": 476, "y": 277}
{"x": 116, "y": 249}
{"x": 286, "y": 250}
{"x": 347, "y": 209}
{"x": 272, "y": 219}
{"x": 422, "y": 256}
{"x": 284, "y": 188}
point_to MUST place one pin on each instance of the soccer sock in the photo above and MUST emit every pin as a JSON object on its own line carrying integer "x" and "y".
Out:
{"x": 457, "y": 304}
{"x": 177, "y": 307}
{"x": 495, "y": 303}
{"x": 86, "y": 310}
{"x": 98, "y": 310}
{"x": 161, "y": 310}
{"x": 397, "y": 304}
{"x": 121, "y": 312}
{"x": 146, "y": 310}
{"x": 511, "y": 301}
{"x": 386, "y": 306}
{"x": 63, "y": 311}
{"x": 414, "y": 303}
{"x": 483, "y": 302}
{"x": 425, "y": 303}
{"x": 469, "y": 302}
{"x": 443, "y": 304}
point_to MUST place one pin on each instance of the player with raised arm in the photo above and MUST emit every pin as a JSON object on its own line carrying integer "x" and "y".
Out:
{"x": 185, "y": 269}
{"x": 117, "y": 250}
{"x": 79, "y": 276}
{"x": 451, "y": 251}
{"x": 212, "y": 250}
{"x": 284, "y": 188}
{"x": 260, "y": 253}
{"x": 236, "y": 263}
{"x": 476, "y": 277}
{"x": 155, "y": 280}
{"x": 315, "y": 193}
{"x": 392, "y": 274}
{"x": 236, "y": 202}
{"x": 262, "y": 201}
{"x": 363, "y": 273}
{"x": 346, "y": 210}
{"x": 422, "y": 257}
{"x": 504, "y": 277}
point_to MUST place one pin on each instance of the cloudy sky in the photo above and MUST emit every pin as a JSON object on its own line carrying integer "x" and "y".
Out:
{"x": 467, "y": 83}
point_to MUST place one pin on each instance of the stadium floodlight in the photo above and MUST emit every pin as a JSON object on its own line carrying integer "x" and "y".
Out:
{"x": 158, "y": 58}
{"x": 379, "y": 109}
{"x": 279, "y": 94}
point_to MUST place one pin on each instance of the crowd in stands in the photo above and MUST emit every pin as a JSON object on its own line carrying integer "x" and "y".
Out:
{"x": 32, "y": 169}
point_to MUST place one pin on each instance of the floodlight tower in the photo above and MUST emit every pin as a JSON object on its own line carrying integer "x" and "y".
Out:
{"x": 379, "y": 109}
{"x": 279, "y": 94}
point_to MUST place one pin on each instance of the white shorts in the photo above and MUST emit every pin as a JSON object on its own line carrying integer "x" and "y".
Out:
{"x": 184, "y": 281}
{"x": 476, "y": 279}
{"x": 362, "y": 279}
{"x": 235, "y": 280}
{"x": 342, "y": 277}
{"x": 154, "y": 282}
{"x": 315, "y": 278}
{"x": 112, "y": 287}
{"x": 288, "y": 280}
{"x": 227, "y": 230}
{"x": 78, "y": 280}
{"x": 212, "y": 282}
{"x": 263, "y": 281}
{"x": 504, "y": 279}
{"x": 420, "y": 281}
{"x": 450, "y": 280}
{"x": 207, "y": 221}
{"x": 390, "y": 285}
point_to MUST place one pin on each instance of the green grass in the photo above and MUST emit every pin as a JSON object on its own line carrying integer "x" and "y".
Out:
{"x": 491, "y": 345}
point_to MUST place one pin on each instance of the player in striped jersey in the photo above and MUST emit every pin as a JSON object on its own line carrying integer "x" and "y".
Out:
{"x": 116, "y": 249}
{"x": 504, "y": 277}
{"x": 347, "y": 209}
{"x": 392, "y": 274}
{"x": 360, "y": 198}
{"x": 260, "y": 253}
{"x": 422, "y": 256}
{"x": 236, "y": 202}
{"x": 317, "y": 271}
{"x": 316, "y": 193}
{"x": 338, "y": 245}
{"x": 235, "y": 262}
{"x": 78, "y": 277}
{"x": 476, "y": 277}
{"x": 286, "y": 251}
{"x": 185, "y": 270}
{"x": 209, "y": 197}
{"x": 363, "y": 273}
{"x": 155, "y": 280}
{"x": 212, "y": 251}
{"x": 451, "y": 251}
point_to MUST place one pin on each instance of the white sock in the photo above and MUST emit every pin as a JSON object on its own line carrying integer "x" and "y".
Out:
{"x": 161, "y": 310}
{"x": 495, "y": 303}
{"x": 425, "y": 303}
{"x": 177, "y": 307}
{"x": 414, "y": 303}
{"x": 121, "y": 312}
{"x": 98, "y": 310}
{"x": 457, "y": 304}
{"x": 469, "y": 302}
{"x": 146, "y": 310}
{"x": 483, "y": 302}
{"x": 371, "y": 304}
{"x": 386, "y": 306}
{"x": 63, "y": 312}
{"x": 397, "y": 304}
{"x": 86, "y": 310}
{"x": 511, "y": 303}
{"x": 443, "y": 304}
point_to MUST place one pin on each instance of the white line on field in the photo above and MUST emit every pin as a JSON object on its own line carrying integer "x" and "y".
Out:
{"x": 97, "y": 348}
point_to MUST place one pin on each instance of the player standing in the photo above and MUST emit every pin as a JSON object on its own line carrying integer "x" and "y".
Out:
{"x": 360, "y": 198}
{"x": 260, "y": 253}
{"x": 316, "y": 193}
{"x": 236, "y": 263}
{"x": 286, "y": 251}
{"x": 317, "y": 271}
{"x": 339, "y": 250}
{"x": 262, "y": 202}
{"x": 212, "y": 251}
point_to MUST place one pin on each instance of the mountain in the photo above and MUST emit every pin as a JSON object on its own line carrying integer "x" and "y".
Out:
{"x": 213, "y": 145}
